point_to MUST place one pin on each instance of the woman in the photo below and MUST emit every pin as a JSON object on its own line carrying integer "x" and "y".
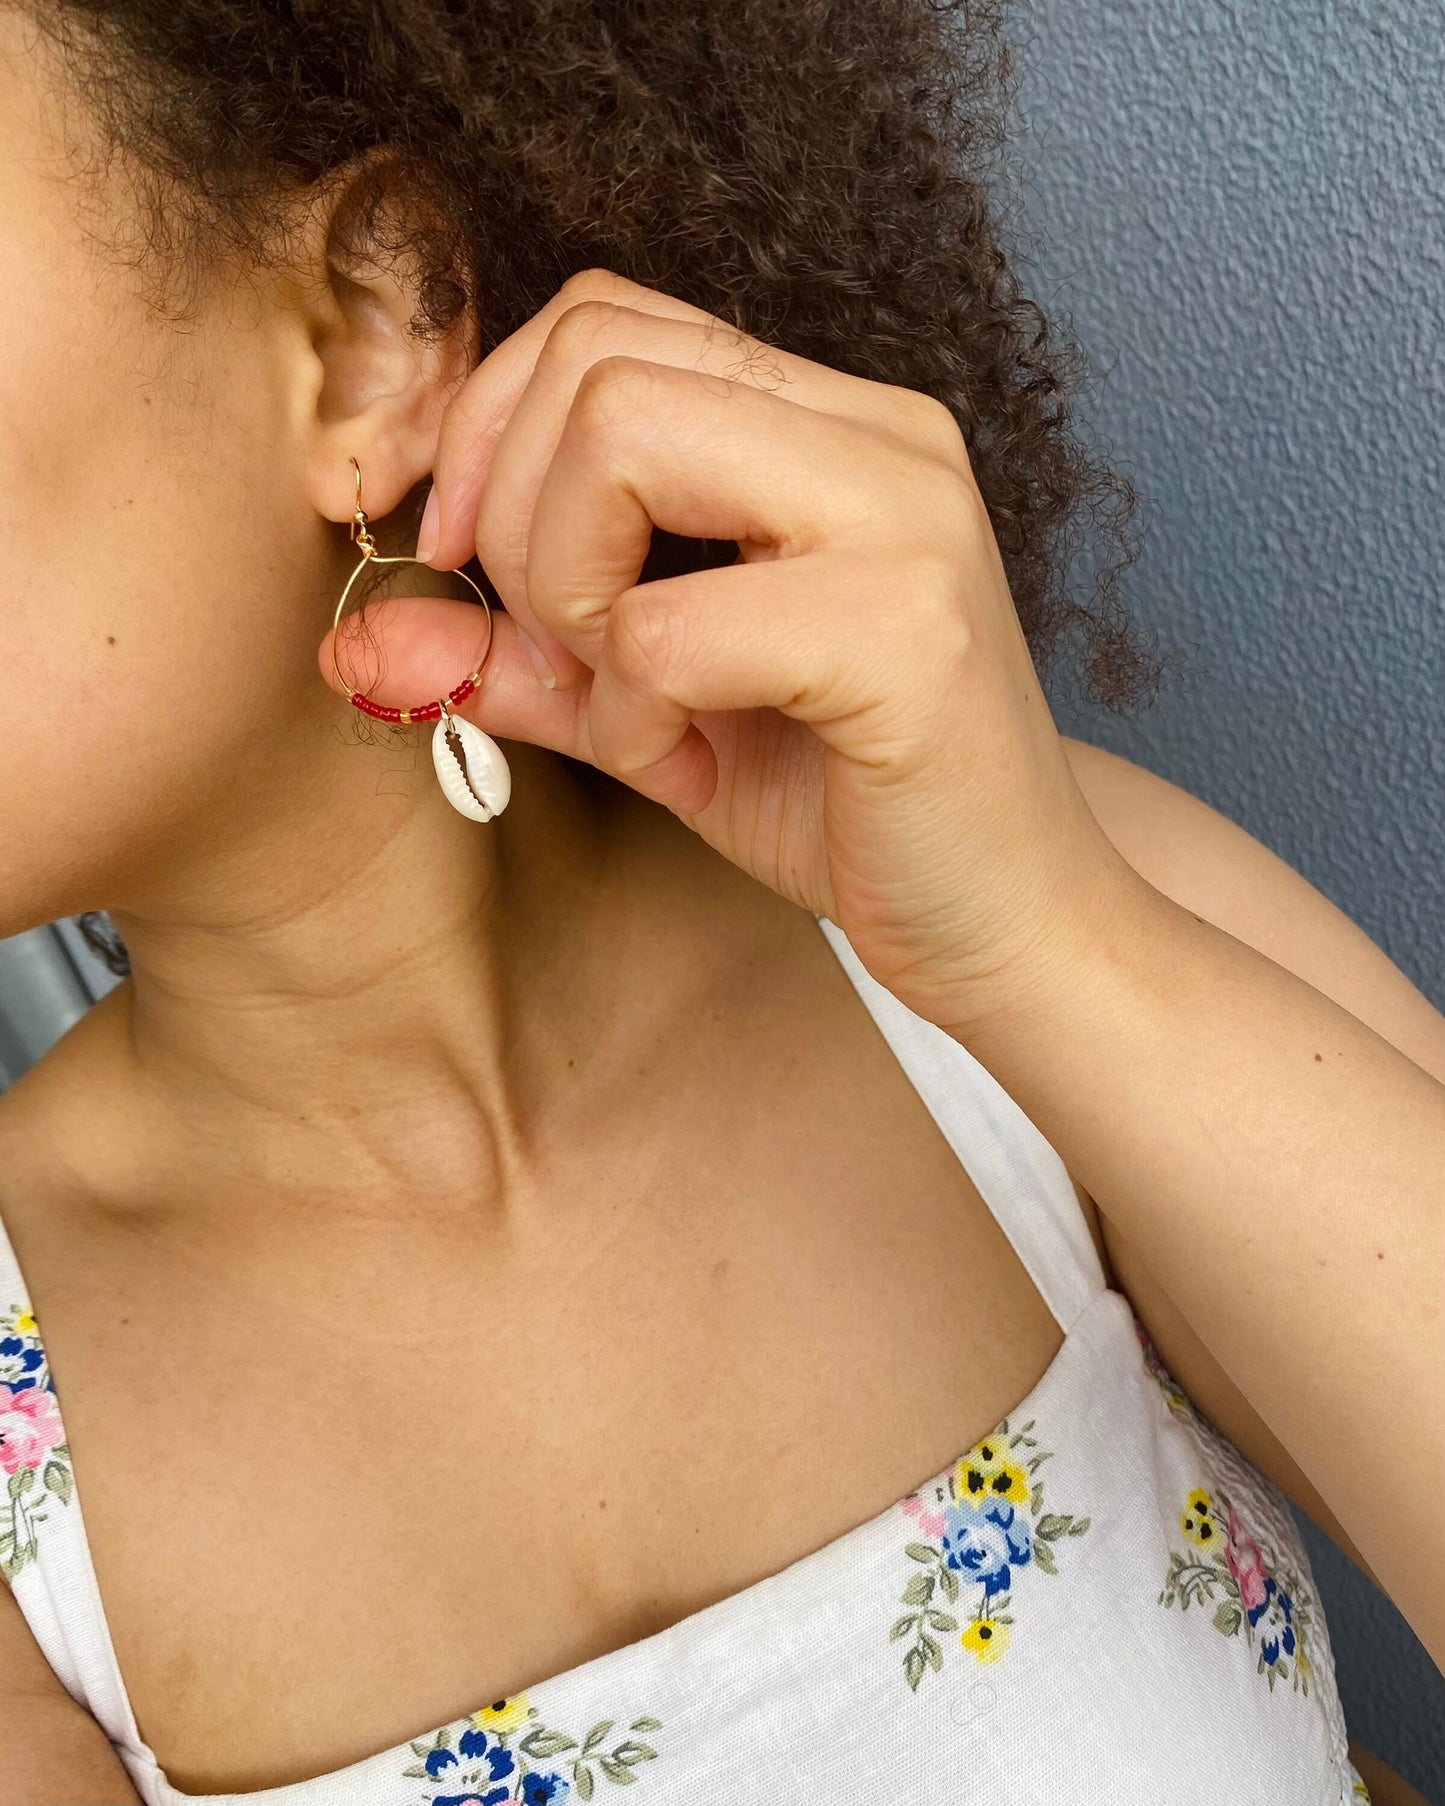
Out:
{"x": 518, "y": 1288}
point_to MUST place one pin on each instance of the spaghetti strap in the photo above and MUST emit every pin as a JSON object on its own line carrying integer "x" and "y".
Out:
{"x": 1018, "y": 1173}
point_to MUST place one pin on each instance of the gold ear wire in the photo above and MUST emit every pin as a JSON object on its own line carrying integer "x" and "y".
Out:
{"x": 471, "y": 768}
{"x": 427, "y": 711}
{"x": 359, "y": 530}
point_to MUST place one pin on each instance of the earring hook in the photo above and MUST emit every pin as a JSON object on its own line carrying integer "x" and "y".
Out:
{"x": 359, "y": 529}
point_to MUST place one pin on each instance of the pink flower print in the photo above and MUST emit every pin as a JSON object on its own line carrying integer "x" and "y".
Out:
{"x": 30, "y": 1427}
{"x": 928, "y": 1519}
{"x": 1172, "y": 1390}
{"x": 1246, "y": 1563}
{"x": 1151, "y": 1353}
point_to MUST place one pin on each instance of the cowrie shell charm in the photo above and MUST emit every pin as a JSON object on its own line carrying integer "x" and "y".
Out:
{"x": 471, "y": 768}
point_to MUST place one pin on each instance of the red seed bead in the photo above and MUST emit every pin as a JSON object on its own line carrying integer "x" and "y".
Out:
{"x": 425, "y": 711}
{"x": 376, "y": 709}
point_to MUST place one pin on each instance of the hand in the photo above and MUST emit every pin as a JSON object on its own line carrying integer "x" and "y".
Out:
{"x": 848, "y": 711}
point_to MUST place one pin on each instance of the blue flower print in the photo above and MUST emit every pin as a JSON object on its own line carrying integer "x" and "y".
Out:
{"x": 1277, "y": 1609}
{"x": 542, "y": 1790}
{"x": 505, "y": 1754}
{"x": 30, "y": 1355}
{"x": 1265, "y": 1606}
{"x": 499, "y": 1759}
{"x": 34, "y": 1457}
{"x": 986, "y": 1544}
{"x": 979, "y": 1526}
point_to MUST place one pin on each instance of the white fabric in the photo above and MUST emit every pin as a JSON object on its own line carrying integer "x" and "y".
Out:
{"x": 793, "y": 1689}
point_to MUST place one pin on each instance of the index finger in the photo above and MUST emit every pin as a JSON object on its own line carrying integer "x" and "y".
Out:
{"x": 477, "y": 414}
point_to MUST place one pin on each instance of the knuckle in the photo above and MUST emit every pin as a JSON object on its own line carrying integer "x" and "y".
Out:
{"x": 936, "y": 428}
{"x": 949, "y": 500}
{"x": 972, "y": 521}
{"x": 938, "y": 586}
{"x": 501, "y": 533}
{"x": 642, "y": 637}
{"x": 932, "y": 617}
{"x": 598, "y": 283}
{"x": 610, "y": 390}
{"x": 579, "y": 328}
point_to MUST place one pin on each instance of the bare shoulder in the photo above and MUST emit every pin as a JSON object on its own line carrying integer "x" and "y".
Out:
{"x": 1199, "y": 858}
{"x": 1203, "y": 860}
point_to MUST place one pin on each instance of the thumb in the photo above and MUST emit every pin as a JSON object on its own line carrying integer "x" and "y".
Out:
{"x": 403, "y": 651}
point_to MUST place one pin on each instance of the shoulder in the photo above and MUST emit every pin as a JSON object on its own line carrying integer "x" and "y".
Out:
{"x": 1201, "y": 859}
{"x": 1211, "y": 865}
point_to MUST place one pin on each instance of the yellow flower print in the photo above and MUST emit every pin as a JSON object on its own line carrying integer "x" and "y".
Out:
{"x": 1199, "y": 1523}
{"x": 978, "y": 1529}
{"x": 988, "y": 1638}
{"x": 25, "y": 1324}
{"x": 504, "y": 1715}
{"x": 986, "y": 1472}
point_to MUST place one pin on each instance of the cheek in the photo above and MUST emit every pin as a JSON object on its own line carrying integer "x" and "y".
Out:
{"x": 84, "y": 480}
{"x": 111, "y": 746}
{"x": 75, "y": 554}
{"x": 148, "y": 642}
{"x": 147, "y": 633}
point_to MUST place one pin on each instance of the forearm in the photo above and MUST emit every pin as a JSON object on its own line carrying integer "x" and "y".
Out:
{"x": 52, "y": 1752}
{"x": 60, "y": 1756}
{"x": 1386, "y": 1787}
{"x": 1281, "y": 1170}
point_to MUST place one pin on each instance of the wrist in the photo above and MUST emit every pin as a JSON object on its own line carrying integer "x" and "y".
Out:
{"x": 1112, "y": 935}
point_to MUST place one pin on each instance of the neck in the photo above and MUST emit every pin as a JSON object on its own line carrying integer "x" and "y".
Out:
{"x": 396, "y": 1013}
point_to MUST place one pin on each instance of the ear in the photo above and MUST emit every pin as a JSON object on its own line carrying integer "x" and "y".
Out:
{"x": 369, "y": 387}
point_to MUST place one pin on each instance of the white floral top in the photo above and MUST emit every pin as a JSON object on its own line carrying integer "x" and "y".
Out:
{"x": 1100, "y": 1601}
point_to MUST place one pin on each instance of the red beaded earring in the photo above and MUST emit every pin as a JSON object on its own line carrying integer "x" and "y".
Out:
{"x": 470, "y": 766}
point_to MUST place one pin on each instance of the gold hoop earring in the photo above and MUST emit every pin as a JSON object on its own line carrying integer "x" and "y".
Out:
{"x": 471, "y": 768}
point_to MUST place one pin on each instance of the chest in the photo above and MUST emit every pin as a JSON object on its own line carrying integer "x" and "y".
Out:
{"x": 344, "y": 1482}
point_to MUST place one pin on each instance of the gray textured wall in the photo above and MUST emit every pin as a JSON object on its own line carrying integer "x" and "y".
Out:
{"x": 1240, "y": 204}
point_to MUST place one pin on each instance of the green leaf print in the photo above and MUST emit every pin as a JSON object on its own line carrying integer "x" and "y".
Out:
{"x": 988, "y": 1530}
{"x": 539, "y": 1749}
{"x": 542, "y": 1744}
{"x": 33, "y": 1424}
{"x": 1253, "y": 1599}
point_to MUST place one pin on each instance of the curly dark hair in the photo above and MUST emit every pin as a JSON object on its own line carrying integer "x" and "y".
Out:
{"x": 818, "y": 173}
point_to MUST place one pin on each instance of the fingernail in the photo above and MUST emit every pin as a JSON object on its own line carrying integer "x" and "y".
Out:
{"x": 426, "y": 538}
{"x": 546, "y": 676}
